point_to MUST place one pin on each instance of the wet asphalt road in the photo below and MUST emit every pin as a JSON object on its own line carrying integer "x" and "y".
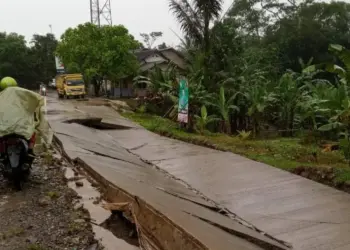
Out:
{"x": 306, "y": 214}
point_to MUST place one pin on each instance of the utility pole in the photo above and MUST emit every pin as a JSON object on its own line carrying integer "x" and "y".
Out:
{"x": 100, "y": 11}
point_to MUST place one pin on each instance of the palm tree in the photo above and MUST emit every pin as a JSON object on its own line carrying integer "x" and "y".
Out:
{"x": 195, "y": 18}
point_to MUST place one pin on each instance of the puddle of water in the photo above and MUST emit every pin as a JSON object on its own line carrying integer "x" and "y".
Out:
{"x": 98, "y": 214}
{"x": 109, "y": 242}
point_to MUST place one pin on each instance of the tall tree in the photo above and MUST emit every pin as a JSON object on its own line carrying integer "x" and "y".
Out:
{"x": 16, "y": 59}
{"x": 99, "y": 52}
{"x": 292, "y": 29}
{"x": 195, "y": 18}
{"x": 43, "y": 48}
{"x": 151, "y": 38}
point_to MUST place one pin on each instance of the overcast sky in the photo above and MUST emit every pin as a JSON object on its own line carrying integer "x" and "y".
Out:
{"x": 27, "y": 17}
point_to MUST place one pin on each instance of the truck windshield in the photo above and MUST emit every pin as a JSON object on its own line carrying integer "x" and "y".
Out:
{"x": 75, "y": 82}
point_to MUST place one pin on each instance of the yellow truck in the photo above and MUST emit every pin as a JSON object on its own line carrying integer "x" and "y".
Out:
{"x": 70, "y": 85}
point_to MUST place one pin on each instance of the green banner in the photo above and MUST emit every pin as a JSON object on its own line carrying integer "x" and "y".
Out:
{"x": 183, "y": 101}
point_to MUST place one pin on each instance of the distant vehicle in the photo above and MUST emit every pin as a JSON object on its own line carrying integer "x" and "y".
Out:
{"x": 43, "y": 90}
{"x": 70, "y": 85}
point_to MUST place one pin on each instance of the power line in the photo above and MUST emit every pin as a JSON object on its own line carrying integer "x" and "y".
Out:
{"x": 101, "y": 12}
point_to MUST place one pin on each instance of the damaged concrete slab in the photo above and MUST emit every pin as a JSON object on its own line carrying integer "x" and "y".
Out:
{"x": 168, "y": 214}
{"x": 278, "y": 202}
{"x": 307, "y": 214}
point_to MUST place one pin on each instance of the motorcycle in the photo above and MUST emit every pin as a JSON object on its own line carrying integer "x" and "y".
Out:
{"x": 16, "y": 157}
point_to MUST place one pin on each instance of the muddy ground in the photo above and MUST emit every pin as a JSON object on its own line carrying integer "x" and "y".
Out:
{"x": 44, "y": 216}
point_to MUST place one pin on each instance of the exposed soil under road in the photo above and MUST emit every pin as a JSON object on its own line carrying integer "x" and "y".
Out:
{"x": 43, "y": 216}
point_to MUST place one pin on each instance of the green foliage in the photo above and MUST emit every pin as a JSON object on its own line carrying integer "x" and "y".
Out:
{"x": 99, "y": 52}
{"x": 43, "y": 47}
{"x": 158, "y": 81}
{"x": 344, "y": 144}
{"x": 344, "y": 55}
{"x": 195, "y": 18}
{"x": 204, "y": 119}
{"x": 258, "y": 98}
{"x": 28, "y": 65}
{"x": 142, "y": 109}
{"x": 225, "y": 108}
{"x": 244, "y": 135}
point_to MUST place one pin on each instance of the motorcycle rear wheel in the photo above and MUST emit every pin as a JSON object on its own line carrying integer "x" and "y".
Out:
{"x": 20, "y": 176}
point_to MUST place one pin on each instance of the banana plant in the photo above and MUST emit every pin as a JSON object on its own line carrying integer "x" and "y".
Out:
{"x": 344, "y": 144}
{"x": 204, "y": 120}
{"x": 225, "y": 108}
{"x": 312, "y": 109}
{"x": 158, "y": 81}
{"x": 289, "y": 94}
{"x": 343, "y": 73}
{"x": 341, "y": 122}
{"x": 344, "y": 55}
{"x": 259, "y": 98}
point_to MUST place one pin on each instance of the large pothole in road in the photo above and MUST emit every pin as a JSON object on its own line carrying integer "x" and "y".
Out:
{"x": 97, "y": 123}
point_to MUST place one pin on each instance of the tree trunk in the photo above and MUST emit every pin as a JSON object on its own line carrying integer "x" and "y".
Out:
{"x": 120, "y": 88}
{"x": 234, "y": 122}
{"x": 291, "y": 123}
{"x": 255, "y": 126}
{"x": 97, "y": 85}
{"x": 228, "y": 127}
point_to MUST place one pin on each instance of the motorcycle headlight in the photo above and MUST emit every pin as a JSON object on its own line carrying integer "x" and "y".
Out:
{"x": 44, "y": 89}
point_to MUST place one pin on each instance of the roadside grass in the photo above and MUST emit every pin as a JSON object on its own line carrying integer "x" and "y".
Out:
{"x": 285, "y": 153}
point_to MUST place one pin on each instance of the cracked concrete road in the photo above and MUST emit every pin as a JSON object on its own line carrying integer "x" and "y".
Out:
{"x": 304, "y": 213}
{"x": 193, "y": 216}
{"x": 307, "y": 214}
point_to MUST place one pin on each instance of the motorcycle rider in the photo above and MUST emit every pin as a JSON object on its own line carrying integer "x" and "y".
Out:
{"x": 11, "y": 82}
{"x": 43, "y": 89}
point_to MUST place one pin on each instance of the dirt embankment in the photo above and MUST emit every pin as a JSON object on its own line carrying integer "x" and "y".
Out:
{"x": 323, "y": 175}
{"x": 43, "y": 215}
